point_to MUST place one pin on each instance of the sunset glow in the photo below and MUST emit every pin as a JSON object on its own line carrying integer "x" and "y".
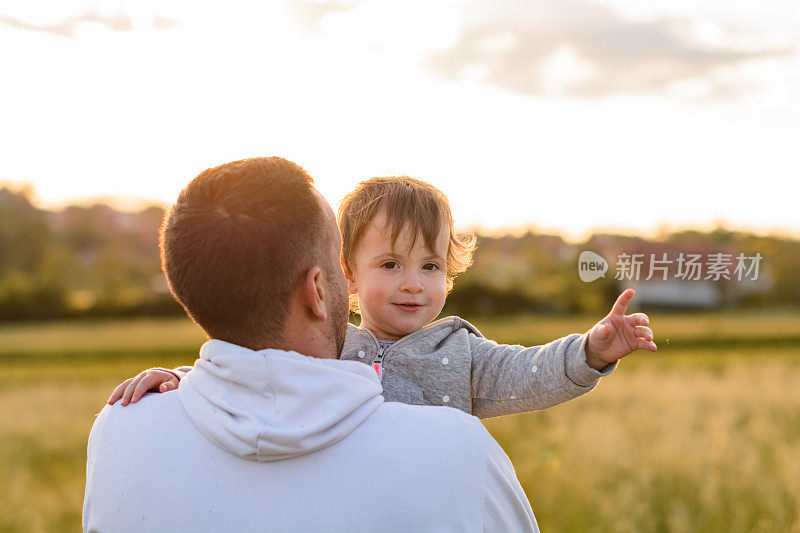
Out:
{"x": 568, "y": 117}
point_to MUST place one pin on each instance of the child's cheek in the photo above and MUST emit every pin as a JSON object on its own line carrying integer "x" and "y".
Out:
{"x": 373, "y": 295}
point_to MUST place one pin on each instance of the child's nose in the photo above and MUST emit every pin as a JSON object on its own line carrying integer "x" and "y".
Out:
{"x": 411, "y": 283}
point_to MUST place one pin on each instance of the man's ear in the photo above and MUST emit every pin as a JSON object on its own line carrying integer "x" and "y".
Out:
{"x": 351, "y": 280}
{"x": 314, "y": 293}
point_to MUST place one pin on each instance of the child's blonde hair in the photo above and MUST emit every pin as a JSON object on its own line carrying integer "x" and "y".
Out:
{"x": 406, "y": 201}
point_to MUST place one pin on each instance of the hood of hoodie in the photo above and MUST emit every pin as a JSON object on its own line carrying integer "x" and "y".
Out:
{"x": 270, "y": 405}
{"x": 424, "y": 340}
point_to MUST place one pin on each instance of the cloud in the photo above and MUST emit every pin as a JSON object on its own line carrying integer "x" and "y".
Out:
{"x": 308, "y": 15}
{"x": 69, "y": 27}
{"x": 164, "y": 23}
{"x": 582, "y": 49}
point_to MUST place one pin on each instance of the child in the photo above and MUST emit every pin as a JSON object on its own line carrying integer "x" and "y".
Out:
{"x": 400, "y": 254}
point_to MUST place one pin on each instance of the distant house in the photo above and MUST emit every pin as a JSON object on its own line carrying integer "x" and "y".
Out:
{"x": 674, "y": 293}
{"x": 666, "y": 275}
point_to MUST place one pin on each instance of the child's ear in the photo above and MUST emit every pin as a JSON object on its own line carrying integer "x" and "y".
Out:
{"x": 351, "y": 281}
{"x": 351, "y": 286}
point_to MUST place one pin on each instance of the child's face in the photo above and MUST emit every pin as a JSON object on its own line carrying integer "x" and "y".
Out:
{"x": 402, "y": 289}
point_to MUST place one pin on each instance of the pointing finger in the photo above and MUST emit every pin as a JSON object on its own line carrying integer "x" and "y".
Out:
{"x": 622, "y": 302}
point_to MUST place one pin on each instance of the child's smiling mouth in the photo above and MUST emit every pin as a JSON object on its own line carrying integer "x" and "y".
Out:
{"x": 408, "y": 307}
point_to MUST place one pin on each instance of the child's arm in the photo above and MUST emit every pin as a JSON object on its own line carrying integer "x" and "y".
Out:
{"x": 151, "y": 380}
{"x": 514, "y": 379}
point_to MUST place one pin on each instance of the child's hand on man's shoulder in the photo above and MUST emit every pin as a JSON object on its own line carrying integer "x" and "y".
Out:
{"x": 151, "y": 380}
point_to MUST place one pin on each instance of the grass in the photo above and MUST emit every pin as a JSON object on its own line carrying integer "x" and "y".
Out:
{"x": 700, "y": 436}
{"x": 98, "y": 337}
{"x": 666, "y": 449}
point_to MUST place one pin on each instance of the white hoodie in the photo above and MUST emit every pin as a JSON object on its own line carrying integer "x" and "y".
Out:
{"x": 276, "y": 441}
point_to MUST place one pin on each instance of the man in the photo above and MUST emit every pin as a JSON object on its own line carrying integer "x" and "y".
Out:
{"x": 270, "y": 431}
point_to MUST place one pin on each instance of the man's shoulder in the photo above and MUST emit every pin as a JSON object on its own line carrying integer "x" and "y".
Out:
{"x": 454, "y": 448}
{"x": 429, "y": 413}
{"x": 152, "y": 411}
{"x": 446, "y": 444}
{"x": 151, "y": 401}
{"x": 432, "y": 423}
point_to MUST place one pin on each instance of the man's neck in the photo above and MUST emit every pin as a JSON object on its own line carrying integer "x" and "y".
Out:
{"x": 308, "y": 338}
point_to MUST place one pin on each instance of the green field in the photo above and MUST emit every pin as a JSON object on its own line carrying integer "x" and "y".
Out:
{"x": 703, "y": 435}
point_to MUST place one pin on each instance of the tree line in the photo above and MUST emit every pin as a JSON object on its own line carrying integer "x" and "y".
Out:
{"x": 97, "y": 261}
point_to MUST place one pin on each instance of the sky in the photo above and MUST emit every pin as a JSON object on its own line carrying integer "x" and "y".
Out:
{"x": 561, "y": 116}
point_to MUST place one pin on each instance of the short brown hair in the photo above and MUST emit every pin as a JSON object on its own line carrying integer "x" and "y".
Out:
{"x": 237, "y": 241}
{"x": 406, "y": 201}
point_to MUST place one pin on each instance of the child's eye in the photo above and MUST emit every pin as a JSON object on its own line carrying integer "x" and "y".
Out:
{"x": 430, "y": 266}
{"x": 389, "y": 265}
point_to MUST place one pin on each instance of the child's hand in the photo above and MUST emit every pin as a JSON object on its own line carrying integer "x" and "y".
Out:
{"x": 617, "y": 335}
{"x": 152, "y": 380}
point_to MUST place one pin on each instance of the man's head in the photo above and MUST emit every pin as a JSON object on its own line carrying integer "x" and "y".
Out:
{"x": 249, "y": 249}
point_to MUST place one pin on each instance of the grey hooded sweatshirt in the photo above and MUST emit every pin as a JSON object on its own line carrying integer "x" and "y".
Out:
{"x": 448, "y": 362}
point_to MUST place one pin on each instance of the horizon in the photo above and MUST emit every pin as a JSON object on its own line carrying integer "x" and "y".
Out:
{"x": 135, "y": 205}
